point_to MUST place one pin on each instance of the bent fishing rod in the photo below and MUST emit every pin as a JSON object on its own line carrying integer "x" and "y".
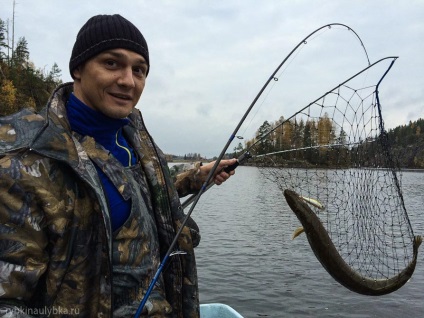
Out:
{"x": 248, "y": 153}
{"x": 207, "y": 183}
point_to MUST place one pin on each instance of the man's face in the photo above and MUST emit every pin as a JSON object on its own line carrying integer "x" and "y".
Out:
{"x": 111, "y": 82}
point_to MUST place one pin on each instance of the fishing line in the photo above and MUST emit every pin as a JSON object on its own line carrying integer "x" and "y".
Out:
{"x": 288, "y": 63}
{"x": 248, "y": 154}
{"x": 365, "y": 240}
{"x": 209, "y": 178}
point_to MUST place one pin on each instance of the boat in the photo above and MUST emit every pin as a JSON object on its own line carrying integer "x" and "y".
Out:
{"x": 217, "y": 310}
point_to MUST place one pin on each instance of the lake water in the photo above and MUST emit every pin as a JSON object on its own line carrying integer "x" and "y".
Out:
{"x": 248, "y": 260}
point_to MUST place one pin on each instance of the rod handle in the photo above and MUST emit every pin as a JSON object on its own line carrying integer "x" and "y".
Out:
{"x": 230, "y": 168}
{"x": 240, "y": 160}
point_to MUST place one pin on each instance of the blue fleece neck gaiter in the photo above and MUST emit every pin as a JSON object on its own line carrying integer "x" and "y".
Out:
{"x": 107, "y": 132}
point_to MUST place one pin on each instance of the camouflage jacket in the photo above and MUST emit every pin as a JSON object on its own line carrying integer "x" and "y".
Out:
{"x": 55, "y": 231}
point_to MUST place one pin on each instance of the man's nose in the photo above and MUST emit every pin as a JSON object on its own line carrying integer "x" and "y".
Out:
{"x": 126, "y": 77}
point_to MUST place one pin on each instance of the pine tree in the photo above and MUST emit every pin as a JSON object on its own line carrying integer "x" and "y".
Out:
{"x": 3, "y": 41}
{"x": 265, "y": 145}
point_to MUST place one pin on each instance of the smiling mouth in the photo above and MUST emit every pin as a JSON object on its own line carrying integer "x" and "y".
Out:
{"x": 121, "y": 96}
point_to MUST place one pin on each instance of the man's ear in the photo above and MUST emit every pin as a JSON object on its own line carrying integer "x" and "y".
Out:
{"x": 76, "y": 73}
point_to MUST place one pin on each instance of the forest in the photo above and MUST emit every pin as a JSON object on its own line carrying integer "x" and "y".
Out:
{"x": 317, "y": 142}
{"x": 408, "y": 144}
{"x": 23, "y": 85}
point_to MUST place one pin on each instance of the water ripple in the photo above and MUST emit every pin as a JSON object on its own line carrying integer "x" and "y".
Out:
{"x": 247, "y": 259}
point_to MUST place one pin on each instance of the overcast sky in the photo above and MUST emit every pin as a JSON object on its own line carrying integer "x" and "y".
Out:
{"x": 209, "y": 59}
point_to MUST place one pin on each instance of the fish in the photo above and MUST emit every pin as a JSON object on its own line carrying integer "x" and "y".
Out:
{"x": 325, "y": 251}
{"x": 312, "y": 202}
{"x": 297, "y": 232}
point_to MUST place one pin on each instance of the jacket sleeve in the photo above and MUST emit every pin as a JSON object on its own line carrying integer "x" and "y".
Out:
{"x": 186, "y": 178}
{"x": 23, "y": 256}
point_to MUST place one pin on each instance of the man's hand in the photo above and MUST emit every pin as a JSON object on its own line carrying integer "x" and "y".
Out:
{"x": 220, "y": 175}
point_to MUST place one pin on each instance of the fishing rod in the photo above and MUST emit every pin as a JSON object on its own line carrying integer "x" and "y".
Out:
{"x": 247, "y": 154}
{"x": 240, "y": 161}
{"x": 207, "y": 183}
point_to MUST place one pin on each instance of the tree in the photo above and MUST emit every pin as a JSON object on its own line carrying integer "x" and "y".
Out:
{"x": 287, "y": 135}
{"x": 8, "y": 94}
{"x": 54, "y": 74}
{"x": 326, "y": 135}
{"x": 3, "y": 41}
{"x": 22, "y": 84}
{"x": 238, "y": 150}
{"x": 278, "y": 134}
{"x": 20, "y": 56}
{"x": 310, "y": 140}
{"x": 265, "y": 145}
{"x": 298, "y": 130}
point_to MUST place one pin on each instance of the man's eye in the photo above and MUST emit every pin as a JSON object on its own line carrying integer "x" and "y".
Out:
{"x": 111, "y": 63}
{"x": 139, "y": 71}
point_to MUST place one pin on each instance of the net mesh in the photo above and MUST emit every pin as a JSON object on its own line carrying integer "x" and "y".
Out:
{"x": 336, "y": 151}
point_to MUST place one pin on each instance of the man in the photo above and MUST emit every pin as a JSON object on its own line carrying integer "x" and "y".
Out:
{"x": 88, "y": 206}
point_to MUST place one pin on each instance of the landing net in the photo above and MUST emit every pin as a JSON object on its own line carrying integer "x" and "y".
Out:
{"x": 336, "y": 157}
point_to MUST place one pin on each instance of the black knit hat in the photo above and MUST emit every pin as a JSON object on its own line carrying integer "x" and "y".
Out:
{"x": 105, "y": 32}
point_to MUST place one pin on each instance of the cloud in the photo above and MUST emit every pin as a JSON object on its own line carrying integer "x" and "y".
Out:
{"x": 209, "y": 59}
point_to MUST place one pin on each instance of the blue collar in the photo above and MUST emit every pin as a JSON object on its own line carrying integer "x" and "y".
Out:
{"x": 105, "y": 130}
{"x": 88, "y": 122}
